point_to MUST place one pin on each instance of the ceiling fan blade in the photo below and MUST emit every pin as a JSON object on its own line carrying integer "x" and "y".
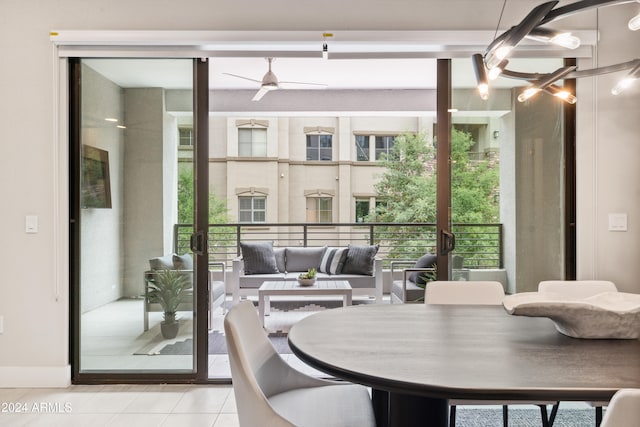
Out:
{"x": 243, "y": 77}
{"x": 305, "y": 83}
{"x": 262, "y": 92}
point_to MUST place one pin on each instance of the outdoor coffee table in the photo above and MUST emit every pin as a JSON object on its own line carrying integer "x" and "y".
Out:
{"x": 292, "y": 288}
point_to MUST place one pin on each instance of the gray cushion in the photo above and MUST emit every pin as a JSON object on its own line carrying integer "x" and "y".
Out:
{"x": 258, "y": 257}
{"x": 333, "y": 260}
{"x": 360, "y": 260}
{"x": 414, "y": 292}
{"x": 302, "y": 259}
{"x": 183, "y": 262}
{"x": 162, "y": 262}
{"x": 280, "y": 260}
{"x": 425, "y": 261}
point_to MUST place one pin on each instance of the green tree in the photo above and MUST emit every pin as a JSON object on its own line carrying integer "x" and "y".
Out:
{"x": 408, "y": 189}
{"x": 218, "y": 212}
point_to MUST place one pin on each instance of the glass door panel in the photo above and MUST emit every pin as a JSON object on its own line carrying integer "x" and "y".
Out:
{"x": 507, "y": 180}
{"x": 136, "y": 288}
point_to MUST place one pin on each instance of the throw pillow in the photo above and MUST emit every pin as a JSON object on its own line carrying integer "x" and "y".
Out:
{"x": 302, "y": 259}
{"x": 425, "y": 261}
{"x": 162, "y": 262}
{"x": 333, "y": 260}
{"x": 259, "y": 258}
{"x": 280, "y": 260}
{"x": 359, "y": 260}
{"x": 183, "y": 262}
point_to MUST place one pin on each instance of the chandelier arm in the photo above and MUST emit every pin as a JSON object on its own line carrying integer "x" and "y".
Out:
{"x": 521, "y": 76}
{"x": 577, "y": 7}
{"x": 604, "y": 70}
{"x": 515, "y": 34}
{"x": 574, "y": 74}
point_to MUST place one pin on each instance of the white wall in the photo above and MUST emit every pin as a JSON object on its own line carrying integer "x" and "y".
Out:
{"x": 32, "y": 175}
{"x": 102, "y": 229}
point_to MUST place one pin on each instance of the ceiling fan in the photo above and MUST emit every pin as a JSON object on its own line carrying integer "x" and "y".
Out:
{"x": 269, "y": 82}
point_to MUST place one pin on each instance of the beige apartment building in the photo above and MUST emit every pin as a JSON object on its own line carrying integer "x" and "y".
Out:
{"x": 316, "y": 169}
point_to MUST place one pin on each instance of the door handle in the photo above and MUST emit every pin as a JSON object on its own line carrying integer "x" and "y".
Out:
{"x": 197, "y": 243}
{"x": 447, "y": 242}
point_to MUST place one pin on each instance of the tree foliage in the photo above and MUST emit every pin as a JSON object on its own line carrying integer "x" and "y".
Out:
{"x": 408, "y": 184}
{"x": 218, "y": 212}
{"x": 407, "y": 190}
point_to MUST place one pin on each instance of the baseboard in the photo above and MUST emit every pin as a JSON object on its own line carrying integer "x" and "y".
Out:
{"x": 35, "y": 376}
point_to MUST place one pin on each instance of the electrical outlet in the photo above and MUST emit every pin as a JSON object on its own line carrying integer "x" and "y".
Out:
{"x": 1, "y": 324}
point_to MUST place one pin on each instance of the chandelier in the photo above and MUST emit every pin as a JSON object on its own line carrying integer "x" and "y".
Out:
{"x": 495, "y": 60}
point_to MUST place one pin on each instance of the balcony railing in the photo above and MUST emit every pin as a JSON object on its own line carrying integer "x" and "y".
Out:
{"x": 480, "y": 245}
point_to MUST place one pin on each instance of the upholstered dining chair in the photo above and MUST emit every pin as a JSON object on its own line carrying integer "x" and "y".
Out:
{"x": 478, "y": 293}
{"x": 270, "y": 393}
{"x": 580, "y": 289}
{"x": 624, "y": 409}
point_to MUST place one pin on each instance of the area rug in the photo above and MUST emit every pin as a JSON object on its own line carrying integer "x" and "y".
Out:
{"x": 284, "y": 314}
{"x": 492, "y": 417}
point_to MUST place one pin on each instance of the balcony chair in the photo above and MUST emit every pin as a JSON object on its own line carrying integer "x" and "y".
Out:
{"x": 271, "y": 393}
{"x": 580, "y": 289}
{"x": 624, "y": 409}
{"x": 478, "y": 293}
{"x": 411, "y": 287}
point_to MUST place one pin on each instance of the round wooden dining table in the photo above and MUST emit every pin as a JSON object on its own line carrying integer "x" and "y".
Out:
{"x": 416, "y": 357}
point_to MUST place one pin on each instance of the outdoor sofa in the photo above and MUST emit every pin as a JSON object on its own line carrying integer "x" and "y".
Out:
{"x": 261, "y": 262}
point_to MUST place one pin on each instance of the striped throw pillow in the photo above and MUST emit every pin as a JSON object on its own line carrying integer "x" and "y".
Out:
{"x": 333, "y": 260}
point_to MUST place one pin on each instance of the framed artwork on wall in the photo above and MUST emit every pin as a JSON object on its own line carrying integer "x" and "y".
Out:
{"x": 96, "y": 185}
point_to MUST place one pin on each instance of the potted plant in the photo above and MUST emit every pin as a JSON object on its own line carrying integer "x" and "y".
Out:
{"x": 168, "y": 288}
{"x": 308, "y": 278}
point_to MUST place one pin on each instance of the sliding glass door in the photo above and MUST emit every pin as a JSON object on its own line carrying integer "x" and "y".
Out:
{"x": 507, "y": 180}
{"x": 132, "y": 177}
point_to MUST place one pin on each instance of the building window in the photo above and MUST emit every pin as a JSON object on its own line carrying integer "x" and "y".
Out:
{"x": 319, "y": 147}
{"x": 252, "y": 142}
{"x": 185, "y": 136}
{"x": 319, "y": 209}
{"x": 362, "y": 148}
{"x": 252, "y": 209}
{"x": 384, "y": 144}
{"x": 362, "y": 210}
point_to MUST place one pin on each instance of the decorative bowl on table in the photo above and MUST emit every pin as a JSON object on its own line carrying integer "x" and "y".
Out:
{"x": 306, "y": 282}
{"x": 308, "y": 278}
{"x": 605, "y": 315}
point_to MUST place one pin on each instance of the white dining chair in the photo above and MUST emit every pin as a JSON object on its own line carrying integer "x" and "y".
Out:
{"x": 270, "y": 393}
{"x": 623, "y": 409}
{"x": 580, "y": 289}
{"x": 478, "y": 293}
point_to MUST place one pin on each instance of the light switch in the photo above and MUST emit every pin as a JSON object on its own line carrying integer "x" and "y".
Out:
{"x": 618, "y": 222}
{"x": 31, "y": 224}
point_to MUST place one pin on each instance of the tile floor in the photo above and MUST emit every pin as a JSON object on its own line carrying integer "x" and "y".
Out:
{"x": 135, "y": 405}
{"x": 120, "y": 405}
{"x": 111, "y": 334}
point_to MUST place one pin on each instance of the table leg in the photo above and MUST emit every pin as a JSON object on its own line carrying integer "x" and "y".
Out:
{"x": 404, "y": 410}
{"x": 346, "y": 299}
{"x": 267, "y": 305}
{"x": 380, "y": 401}
{"x": 261, "y": 302}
